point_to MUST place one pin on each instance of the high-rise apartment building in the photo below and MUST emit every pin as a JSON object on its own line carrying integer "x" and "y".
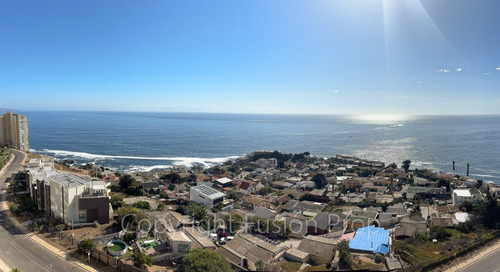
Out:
{"x": 14, "y": 131}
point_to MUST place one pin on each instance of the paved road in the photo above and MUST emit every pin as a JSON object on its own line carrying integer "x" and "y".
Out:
{"x": 17, "y": 250}
{"x": 489, "y": 263}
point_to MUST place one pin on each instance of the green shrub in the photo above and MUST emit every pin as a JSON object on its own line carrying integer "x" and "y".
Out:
{"x": 16, "y": 209}
{"x": 379, "y": 258}
{"x": 86, "y": 245}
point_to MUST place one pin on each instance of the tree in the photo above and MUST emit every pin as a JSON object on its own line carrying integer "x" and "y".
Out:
{"x": 232, "y": 222}
{"x": 125, "y": 181}
{"x": 134, "y": 189}
{"x": 196, "y": 211}
{"x": 266, "y": 190}
{"x": 406, "y": 165}
{"x": 385, "y": 206}
{"x": 393, "y": 165}
{"x": 465, "y": 206}
{"x": 444, "y": 183}
{"x": 141, "y": 259}
{"x": 479, "y": 183}
{"x": 172, "y": 177}
{"x": 130, "y": 216}
{"x": 15, "y": 270}
{"x": 143, "y": 205}
{"x": 489, "y": 211}
{"x": 344, "y": 254}
{"x": 116, "y": 200}
{"x": 86, "y": 245}
{"x": 260, "y": 265}
{"x": 205, "y": 260}
{"x": 320, "y": 181}
{"x": 161, "y": 207}
{"x": 438, "y": 232}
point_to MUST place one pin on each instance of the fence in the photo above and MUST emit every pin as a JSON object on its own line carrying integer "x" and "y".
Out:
{"x": 114, "y": 262}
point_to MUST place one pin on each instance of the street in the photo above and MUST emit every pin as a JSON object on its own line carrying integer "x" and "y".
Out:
{"x": 18, "y": 250}
{"x": 488, "y": 263}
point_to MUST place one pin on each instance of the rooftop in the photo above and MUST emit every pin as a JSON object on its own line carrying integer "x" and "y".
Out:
{"x": 224, "y": 180}
{"x": 207, "y": 191}
{"x": 178, "y": 236}
{"x": 371, "y": 239}
{"x": 462, "y": 192}
{"x": 69, "y": 180}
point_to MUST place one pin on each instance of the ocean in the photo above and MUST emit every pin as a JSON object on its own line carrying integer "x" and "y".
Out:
{"x": 130, "y": 141}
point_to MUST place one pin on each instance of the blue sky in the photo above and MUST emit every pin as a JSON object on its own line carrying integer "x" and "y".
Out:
{"x": 258, "y": 56}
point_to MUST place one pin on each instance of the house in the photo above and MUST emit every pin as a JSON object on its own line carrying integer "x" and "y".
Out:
{"x": 423, "y": 182}
{"x": 178, "y": 242}
{"x": 353, "y": 185}
{"x": 305, "y": 185}
{"x": 412, "y": 191}
{"x": 245, "y": 187}
{"x": 471, "y": 195}
{"x": 298, "y": 223}
{"x": 206, "y": 195}
{"x": 309, "y": 208}
{"x": 224, "y": 182}
{"x": 325, "y": 222}
{"x": 245, "y": 250}
{"x": 198, "y": 239}
{"x": 361, "y": 218}
{"x": 398, "y": 209}
{"x": 263, "y": 212}
{"x": 151, "y": 187}
{"x": 320, "y": 249}
{"x": 438, "y": 193}
{"x": 442, "y": 221}
{"x": 370, "y": 240}
{"x": 295, "y": 255}
{"x": 289, "y": 205}
{"x": 410, "y": 227}
{"x": 281, "y": 185}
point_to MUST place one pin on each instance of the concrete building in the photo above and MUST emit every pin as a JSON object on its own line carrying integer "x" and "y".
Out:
{"x": 206, "y": 195}
{"x": 38, "y": 171}
{"x": 14, "y": 131}
{"x": 470, "y": 195}
{"x": 78, "y": 200}
{"x": 178, "y": 242}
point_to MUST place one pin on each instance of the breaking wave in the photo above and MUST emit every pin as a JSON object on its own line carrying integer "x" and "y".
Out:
{"x": 187, "y": 161}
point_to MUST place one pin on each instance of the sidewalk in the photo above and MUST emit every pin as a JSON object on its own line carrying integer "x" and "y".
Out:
{"x": 59, "y": 252}
{"x": 4, "y": 267}
{"x": 476, "y": 258}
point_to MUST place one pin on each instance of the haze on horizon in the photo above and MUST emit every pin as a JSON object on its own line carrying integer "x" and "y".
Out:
{"x": 321, "y": 57}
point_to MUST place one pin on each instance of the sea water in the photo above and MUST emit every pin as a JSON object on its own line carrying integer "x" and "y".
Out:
{"x": 131, "y": 141}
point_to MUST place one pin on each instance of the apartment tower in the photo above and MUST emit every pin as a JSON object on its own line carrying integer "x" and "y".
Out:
{"x": 14, "y": 131}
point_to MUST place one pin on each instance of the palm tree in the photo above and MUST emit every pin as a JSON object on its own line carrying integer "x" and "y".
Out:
{"x": 406, "y": 165}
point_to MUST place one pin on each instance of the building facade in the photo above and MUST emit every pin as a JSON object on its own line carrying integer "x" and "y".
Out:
{"x": 14, "y": 131}
{"x": 208, "y": 196}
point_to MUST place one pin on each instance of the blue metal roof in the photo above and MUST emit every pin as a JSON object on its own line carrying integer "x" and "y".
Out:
{"x": 371, "y": 239}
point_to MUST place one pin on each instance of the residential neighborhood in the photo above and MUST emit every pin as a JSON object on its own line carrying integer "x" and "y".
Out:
{"x": 264, "y": 211}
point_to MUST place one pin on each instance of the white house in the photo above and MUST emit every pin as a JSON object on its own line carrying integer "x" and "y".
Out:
{"x": 245, "y": 187}
{"x": 471, "y": 195}
{"x": 206, "y": 195}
